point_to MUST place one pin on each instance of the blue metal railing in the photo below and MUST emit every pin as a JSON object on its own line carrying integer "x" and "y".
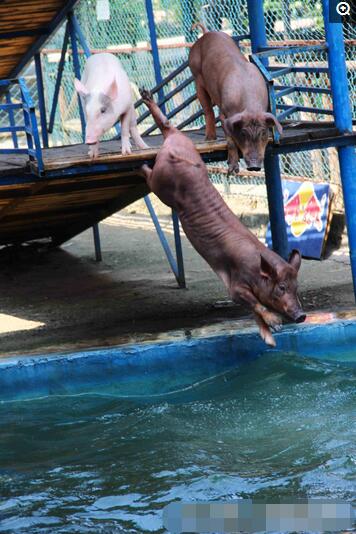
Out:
{"x": 29, "y": 127}
{"x": 271, "y": 73}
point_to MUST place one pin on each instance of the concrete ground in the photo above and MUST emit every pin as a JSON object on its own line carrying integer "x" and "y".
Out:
{"x": 60, "y": 299}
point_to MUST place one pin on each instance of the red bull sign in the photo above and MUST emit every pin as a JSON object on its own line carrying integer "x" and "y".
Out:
{"x": 306, "y": 208}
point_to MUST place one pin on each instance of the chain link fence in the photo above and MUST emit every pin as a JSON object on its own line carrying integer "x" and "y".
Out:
{"x": 123, "y": 30}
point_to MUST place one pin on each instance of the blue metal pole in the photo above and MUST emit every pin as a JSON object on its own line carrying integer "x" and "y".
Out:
{"x": 41, "y": 99}
{"x": 97, "y": 244}
{"x": 162, "y": 238}
{"x": 59, "y": 79}
{"x": 343, "y": 121}
{"x": 73, "y": 30}
{"x": 272, "y": 169}
{"x": 158, "y": 75}
{"x": 80, "y": 36}
{"x": 12, "y": 120}
{"x": 76, "y": 66}
{"x": 154, "y": 46}
{"x": 179, "y": 252}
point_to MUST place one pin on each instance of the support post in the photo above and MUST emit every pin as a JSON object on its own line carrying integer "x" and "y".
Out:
{"x": 272, "y": 169}
{"x": 59, "y": 79}
{"x": 343, "y": 121}
{"x": 276, "y": 209}
{"x": 76, "y": 66}
{"x": 75, "y": 32}
{"x": 41, "y": 99}
{"x": 97, "y": 244}
{"x": 162, "y": 239}
{"x": 12, "y": 120}
{"x": 154, "y": 46}
{"x": 158, "y": 75}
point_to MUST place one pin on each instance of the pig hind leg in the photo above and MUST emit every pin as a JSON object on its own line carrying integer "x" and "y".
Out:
{"x": 161, "y": 120}
{"x": 139, "y": 142}
{"x": 206, "y": 104}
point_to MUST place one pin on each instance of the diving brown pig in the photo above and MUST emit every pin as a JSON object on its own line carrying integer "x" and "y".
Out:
{"x": 252, "y": 273}
{"x": 225, "y": 78}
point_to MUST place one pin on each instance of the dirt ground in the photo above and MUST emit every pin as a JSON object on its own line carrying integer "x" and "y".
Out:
{"x": 59, "y": 299}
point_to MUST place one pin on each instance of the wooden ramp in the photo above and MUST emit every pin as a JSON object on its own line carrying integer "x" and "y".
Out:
{"x": 74, "y": 193}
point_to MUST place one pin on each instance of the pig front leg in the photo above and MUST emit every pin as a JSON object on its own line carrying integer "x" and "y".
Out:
{"x": 93, "y": 151}
{"x": 139, "y": 142}
{"x": 265, "y": 318}
{"x": 206, "y": 104}
{"x": 125, "y": 134}
{"x": 233, "y": 157}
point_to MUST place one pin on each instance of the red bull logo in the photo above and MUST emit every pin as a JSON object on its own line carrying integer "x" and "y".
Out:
{"x": 303, "y": 210}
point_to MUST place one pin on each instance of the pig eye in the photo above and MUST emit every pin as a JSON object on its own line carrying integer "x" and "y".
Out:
{"x": 282, "y": 288}
{"x": 102, "y": 110}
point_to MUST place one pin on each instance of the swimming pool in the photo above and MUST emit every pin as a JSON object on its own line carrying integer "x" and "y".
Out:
{"x": 101, "y": 441}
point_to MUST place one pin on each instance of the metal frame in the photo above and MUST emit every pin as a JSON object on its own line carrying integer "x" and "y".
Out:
{"x": 30, "y": 128}
{"x": 272, "y": 168}
{"x": 75, "y": 33}
{"x": 343, "y": 121}
{"x": 260, "y": 55}
{"x": 271, "y": 74}
{"x": 178, "y": 267}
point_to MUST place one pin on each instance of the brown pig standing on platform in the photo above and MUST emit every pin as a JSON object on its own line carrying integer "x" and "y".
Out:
{"x": 224, "y": 77}
{"x": 251, "y": 272}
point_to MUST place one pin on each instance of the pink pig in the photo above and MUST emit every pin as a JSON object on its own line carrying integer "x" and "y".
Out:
{"x": 106, "y": 97}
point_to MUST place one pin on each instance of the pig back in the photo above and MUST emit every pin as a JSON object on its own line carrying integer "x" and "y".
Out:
{"x": 101, "y": 69}
{"x": 232, "y": 82}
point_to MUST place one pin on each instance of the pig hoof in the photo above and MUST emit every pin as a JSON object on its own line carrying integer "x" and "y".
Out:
{"x": 146, "y": 94}
{"x": 126, "y": 151}
{"x": 233, "y": 167}
{"x": 93, "y": 153}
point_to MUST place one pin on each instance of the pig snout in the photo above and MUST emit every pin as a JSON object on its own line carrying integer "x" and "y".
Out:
{"x": 91, "y": 139}
{"x": 253, "y": 163}
{"x": 253, "y": 167}
{"x": 299, "y": 317}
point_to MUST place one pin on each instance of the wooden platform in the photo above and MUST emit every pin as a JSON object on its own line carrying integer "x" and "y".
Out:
{"x": 24, "y": 28}
{"x": 75, "y": 192}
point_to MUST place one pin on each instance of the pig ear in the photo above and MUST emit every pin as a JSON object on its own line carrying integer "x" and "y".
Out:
{"x": 272, "y": 121}
{"x": 111, "y": 91}
{"x": 80, "y": 87}
{"x": 266, "y": 269}
{"x": 233, "y": 122}
{"x": 295, "y": 259}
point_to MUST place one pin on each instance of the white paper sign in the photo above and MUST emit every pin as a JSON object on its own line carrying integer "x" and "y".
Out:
{"x": 102, "y": 10}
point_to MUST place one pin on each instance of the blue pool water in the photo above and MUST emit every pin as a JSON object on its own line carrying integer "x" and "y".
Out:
{"x": 280, "y": 425}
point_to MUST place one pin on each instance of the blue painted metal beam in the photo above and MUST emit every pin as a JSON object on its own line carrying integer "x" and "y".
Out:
{"x": 58, "y": 79}
{"x": 9, "y": 106}
{"x": 33, "y": 139}
{"x": 97, "y": 244}
{"x": 154, "y": 46}
{"x": 272, "y": 170}
{"x": 159, "y": 80}
{"x": 24, "y": 33}
{"x": 162, "y": 238}
{"x": 56, "y": 21}
{"x": 343, "y": 121}
{"x": 76, "y": 66}
{"x": 41, "y": 99}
